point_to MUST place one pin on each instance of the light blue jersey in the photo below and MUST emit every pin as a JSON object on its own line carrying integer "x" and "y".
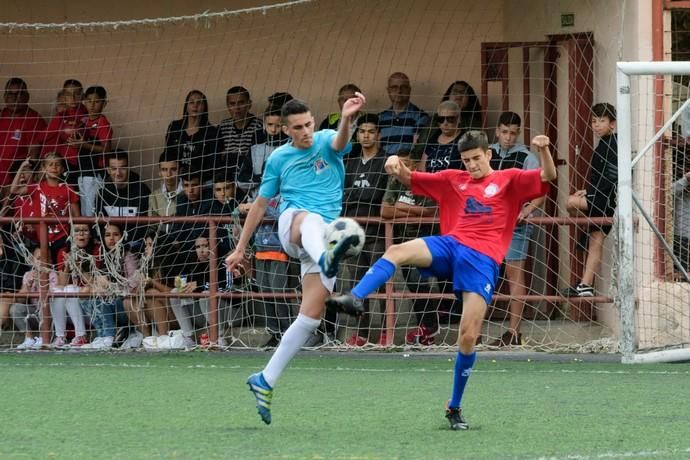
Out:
{"x": 311, "y": 179}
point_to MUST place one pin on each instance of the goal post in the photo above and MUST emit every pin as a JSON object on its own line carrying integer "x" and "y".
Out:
{"x": 653, "y": 308}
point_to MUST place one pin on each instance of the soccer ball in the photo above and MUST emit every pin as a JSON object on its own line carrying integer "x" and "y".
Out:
{"x": 340, "y": 229}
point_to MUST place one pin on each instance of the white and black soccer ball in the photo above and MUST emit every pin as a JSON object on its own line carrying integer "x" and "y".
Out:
{"x": 342, "y": 228}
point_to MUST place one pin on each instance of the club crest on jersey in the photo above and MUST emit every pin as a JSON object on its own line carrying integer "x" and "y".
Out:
{"x": 491, "y": 190}
{"x": 320, "y": 165}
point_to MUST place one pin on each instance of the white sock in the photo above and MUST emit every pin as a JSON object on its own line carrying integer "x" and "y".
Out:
{"x": 313, "y": 228}
{"x": 293, "y": 339}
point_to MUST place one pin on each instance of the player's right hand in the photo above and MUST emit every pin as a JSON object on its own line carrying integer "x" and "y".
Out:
{"x": 234, "y": 262}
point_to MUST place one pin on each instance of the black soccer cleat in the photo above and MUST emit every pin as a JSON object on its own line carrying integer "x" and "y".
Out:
{"x": 456, "y": 420}
{"x": 347, "y": 303}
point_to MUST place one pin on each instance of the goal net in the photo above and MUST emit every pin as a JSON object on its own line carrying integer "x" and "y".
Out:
{"x": 163, "y": 127}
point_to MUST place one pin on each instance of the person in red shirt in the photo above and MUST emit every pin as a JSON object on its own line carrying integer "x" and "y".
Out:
{"x": 478, "y": 212}
{"x": 93, "y": 142}
{"x": 68, "y": 124}
{"x": 21, "y": 129}
{"x": 50, "y": 197}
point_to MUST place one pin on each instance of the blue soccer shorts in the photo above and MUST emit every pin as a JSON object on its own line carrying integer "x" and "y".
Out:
{"x": 470, "y": 270}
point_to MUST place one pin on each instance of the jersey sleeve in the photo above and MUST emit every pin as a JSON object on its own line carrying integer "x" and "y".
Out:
{"x": 72, "y": 196}
{"x": 328, "y": 136}
{"x": 527, "y": 185}
{"x": 270, "y": 183}
{"x": 431, "y": 185}
{"x": 104, "y": 133}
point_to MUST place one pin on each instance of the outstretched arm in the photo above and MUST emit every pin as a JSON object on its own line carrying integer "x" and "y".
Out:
{"x": 350, "y": 108}
{"x": 548, "y": 168}
{"x": 396, "y": 168}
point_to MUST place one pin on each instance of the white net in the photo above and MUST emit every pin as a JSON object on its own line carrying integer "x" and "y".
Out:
{"x": 175, "y": 116}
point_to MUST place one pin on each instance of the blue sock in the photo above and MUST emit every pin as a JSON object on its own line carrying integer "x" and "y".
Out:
{"x": 375, "y": 277}
{"x": 463, "y": 369}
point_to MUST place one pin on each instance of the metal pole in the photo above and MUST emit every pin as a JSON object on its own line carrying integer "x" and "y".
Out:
{"x": 213, "y": 282}
{"x": 390, "y": 301}
{"x": 46, "y": 321}
{"x": 626, "y": 282}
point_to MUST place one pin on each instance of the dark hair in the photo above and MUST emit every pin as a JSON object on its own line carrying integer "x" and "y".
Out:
{"x": 16, "y": 81}
{"x": 72, "y": 82}
{"x": 371, "y": 118}
{"x": 238, "y": 90}
{"x": 204, "y": 112}
{"x": 279, "y": 99}
{"x": 272, "y": 110}
{"x": 471, "y": 114}
{"x": 168, "y": 155}
{"x": 473, "y": 140}
{"x": 117, "y": 154}
{"x": 191, "y": 175}
{"x": 293, "y": 107}
{"x": 509, "y": 118}
{"x": 221, "y": 178}
{"x": 604, "y": 109}
{"x": 404, "y": 153}
{"x": 99, "y": 91}
{"x": 349, "y": 87}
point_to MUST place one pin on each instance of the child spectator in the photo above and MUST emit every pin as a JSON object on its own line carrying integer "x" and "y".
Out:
{"x": 192, "y": 138}
{"x": 599, "y": 198}
{"x": 21, "y": 129}
{"x": 681, "y": 220}
{"x": 26, "y": 316}
{"x": 398, "y": 201}
{"x": 155, "y": 309}
{"x": 73, "y": 263}
{"x": 192, "y": 202}
{"x": 365, "y": 185}
{"x": 118, "y": 277}
{"x": 67, "y": 126}
{"x": 12, "y": 269}
{"x": 124, "y": 194}
{"x": 50, "y": 197}
{"x": 237, "y": 134}
{"x": 93, "y": 142}
{"x": 506, "y": 153}
{"x": 163, "y": 200}
{"x": 224, "y": 204}
{"x": 332, "y": 121}
{"x": 464, "y": 96}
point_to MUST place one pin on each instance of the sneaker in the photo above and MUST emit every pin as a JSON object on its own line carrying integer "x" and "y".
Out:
{"x": 383, "y": 339}
{"x": 263, "y": 393}
{"x": 331, "y": 257}
{"x": 347, "y": 303}
{"x": 456, "y": 420}
{"x": 59, "y": 342}
{"x": 134, "y": 340}
{"x": 27, "y": 344}
{"x": 188, "y": 343}
{"x": 314, "y": 340}
{"x": 96, "y": 344}
{"x": 272, "y": 342}
{"x": 579, "y": 290}
{"x": 78, "y": 342}
{"x": 421, "y": 335}
{"x": 221, "y": 343}
{"x": 38, "y": 343}
{"x": 509, "y": 338}
{"x": 356, "y": 341}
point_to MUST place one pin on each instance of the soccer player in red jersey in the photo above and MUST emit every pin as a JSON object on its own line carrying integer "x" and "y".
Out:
{"x": 478, "y": 212}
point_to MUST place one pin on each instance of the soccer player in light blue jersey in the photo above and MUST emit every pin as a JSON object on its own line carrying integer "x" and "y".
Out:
{"x": 308, "y": 173}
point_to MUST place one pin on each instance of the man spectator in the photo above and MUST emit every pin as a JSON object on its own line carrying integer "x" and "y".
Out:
{"x": 21, "y": 129}
{"x": 124, "y": 195}
{"x": 401, "y": 122}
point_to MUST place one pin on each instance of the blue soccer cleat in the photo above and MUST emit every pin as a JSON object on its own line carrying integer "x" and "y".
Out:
{"x": 332, "y": 256}
{"x": 263, "y": 394}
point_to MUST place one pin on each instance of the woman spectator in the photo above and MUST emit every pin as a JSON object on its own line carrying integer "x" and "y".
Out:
{"x": 464, "y": 96}
{"x": 441, "y": 149}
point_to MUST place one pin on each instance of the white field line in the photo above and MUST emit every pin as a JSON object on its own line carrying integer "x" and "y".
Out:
{"x": 661, "y": 453}
{"x": 337, "y": 368}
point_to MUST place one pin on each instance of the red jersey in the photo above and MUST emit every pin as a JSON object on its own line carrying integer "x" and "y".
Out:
{"x": 61, "y": 127}
{"x": 99, "y": 131}
{"x": 18, "y": 132}
{"x": 480, "y": 213}
{"x": 45, "y": 200}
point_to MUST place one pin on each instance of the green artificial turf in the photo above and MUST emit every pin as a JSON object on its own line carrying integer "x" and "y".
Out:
{"x": 130, "y": 406}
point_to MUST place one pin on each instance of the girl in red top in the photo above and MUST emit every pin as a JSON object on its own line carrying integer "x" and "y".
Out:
{"x": 50, "y": 197}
